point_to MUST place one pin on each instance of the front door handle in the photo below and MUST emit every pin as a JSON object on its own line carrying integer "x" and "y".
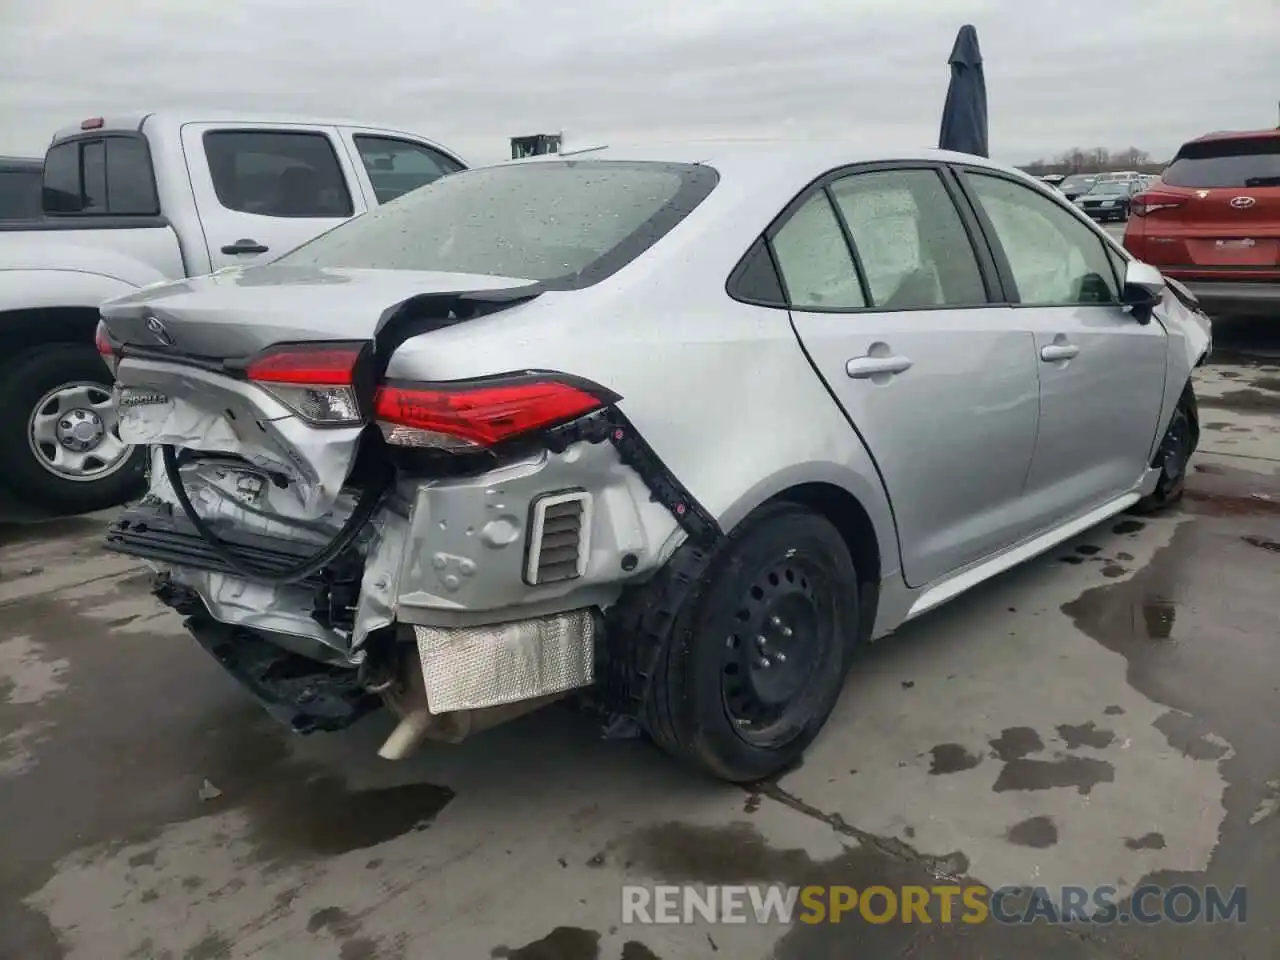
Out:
{"x": 1058, "y": 351}
{"x": 863, "y": 368}
{"x": 244, "y": 246}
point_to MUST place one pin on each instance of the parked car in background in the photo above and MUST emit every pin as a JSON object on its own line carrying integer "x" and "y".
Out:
{"x": 20, "y": 188}
{"x": 135, "y": 201}
{"x": 518, "y": 456}
{"x": 1108, "y": 199}
{"x": 1212, "y": 221}
{"x": 1052, "y": 179}
{"x": 1077, "y": 184}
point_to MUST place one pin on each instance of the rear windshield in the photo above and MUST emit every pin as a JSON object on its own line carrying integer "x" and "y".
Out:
{"x": 109, "y": 175}
{"x": 1251, "y": 162}
{"x": 565, "y": 223}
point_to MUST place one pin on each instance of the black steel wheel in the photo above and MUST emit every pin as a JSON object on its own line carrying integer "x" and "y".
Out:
{"x": 1173, "y": 456}
{"x": 757, "y": 654}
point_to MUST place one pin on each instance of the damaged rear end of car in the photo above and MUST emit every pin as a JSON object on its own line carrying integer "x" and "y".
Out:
{"x": 340, "y": 537}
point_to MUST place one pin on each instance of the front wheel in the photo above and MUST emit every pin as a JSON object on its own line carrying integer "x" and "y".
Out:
{"x": 59, "y": 435}
{"x": 757, "y": 654}
{"x": 1173, "y": 457}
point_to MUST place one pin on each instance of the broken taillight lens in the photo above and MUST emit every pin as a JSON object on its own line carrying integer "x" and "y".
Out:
{"x": 106, "y": 349}
{"x": 466, "y": 417}
{"x": 317, "y": 381}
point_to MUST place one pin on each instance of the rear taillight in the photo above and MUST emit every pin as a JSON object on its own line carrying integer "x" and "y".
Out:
{"x": 471, "y": 416}
{"x": 106, "y": 349}
{"x": 317, "y": 381}
{"x": 1144, "y": 204}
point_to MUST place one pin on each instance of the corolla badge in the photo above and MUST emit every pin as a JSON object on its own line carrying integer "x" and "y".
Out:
{"x": 159, "y": 332}
{"x": 1202, "y": 194}
{"x": 1243, "y": 203}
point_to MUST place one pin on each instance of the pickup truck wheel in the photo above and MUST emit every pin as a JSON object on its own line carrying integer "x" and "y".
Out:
{"x": 756, "y": 659}
{"x": 59, "y": 436}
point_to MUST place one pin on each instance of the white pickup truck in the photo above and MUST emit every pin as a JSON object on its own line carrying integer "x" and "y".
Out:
{"x": 133, "y": 201}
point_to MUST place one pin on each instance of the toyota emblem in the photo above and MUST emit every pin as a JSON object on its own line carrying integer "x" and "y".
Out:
{"x": 1243, "y": 203}
{"x": 159, "y": 332}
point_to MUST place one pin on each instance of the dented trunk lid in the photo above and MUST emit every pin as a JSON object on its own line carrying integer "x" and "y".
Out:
{"x": 238, "y": 312}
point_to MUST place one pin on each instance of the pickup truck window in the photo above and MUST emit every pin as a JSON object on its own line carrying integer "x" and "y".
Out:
{"x": 277, "y": 173}
{"x": 397, "y": 166}
{"x": 19, "y": 194}
{"x": 100, "y": 175}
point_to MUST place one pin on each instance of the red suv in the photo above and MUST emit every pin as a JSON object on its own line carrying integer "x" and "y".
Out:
{"x": 1212, "y": 221}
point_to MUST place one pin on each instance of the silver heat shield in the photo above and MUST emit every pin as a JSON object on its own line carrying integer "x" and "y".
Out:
{"x": 469, "y": 668}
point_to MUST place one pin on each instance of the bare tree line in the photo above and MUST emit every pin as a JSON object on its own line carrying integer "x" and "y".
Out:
{"x": 1095, "y": 160}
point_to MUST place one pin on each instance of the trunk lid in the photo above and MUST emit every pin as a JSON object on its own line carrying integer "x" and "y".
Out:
{"x": 236, "y": 313}
{"x": 1215, "y": 214}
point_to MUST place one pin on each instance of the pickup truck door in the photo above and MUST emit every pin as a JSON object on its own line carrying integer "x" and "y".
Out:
{"x": 262, "y": 189}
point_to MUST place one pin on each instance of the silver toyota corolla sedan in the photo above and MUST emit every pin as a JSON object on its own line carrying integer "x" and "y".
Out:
{"x": 672, "y": 430}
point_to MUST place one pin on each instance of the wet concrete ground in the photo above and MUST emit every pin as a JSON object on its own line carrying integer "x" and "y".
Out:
{"x": 1106, "y": 715}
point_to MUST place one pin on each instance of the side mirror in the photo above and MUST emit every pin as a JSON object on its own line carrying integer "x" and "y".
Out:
{"x": 1143, "y": 290}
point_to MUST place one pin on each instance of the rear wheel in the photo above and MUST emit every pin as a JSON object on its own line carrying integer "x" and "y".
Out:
{"x": 758, "y": 653}
{"x": 1174, "y": 455}
{"x": 59, "y": 435}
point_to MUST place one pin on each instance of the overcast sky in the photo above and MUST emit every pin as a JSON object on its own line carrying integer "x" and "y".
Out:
{"x": 1113, "y": 73}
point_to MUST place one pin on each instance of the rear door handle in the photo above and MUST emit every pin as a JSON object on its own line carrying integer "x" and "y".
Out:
{"x": 863, "y": 368}
{"x": 1058, "y": 351}
{"x": 244, "y": 246}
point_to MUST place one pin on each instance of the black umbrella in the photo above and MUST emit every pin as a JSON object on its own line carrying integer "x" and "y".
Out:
{"x": 964, "y": 116}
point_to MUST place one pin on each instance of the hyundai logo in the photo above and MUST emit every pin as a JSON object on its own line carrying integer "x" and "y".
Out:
{"x": 159, "y": 332}
{"x": 1243, "y": 203}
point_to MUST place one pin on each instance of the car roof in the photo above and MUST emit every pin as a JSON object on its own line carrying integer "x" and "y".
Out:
{"x": 169, "y": 119}
{"x": 789, "y": 159}
{"x": 1237, "y": 135}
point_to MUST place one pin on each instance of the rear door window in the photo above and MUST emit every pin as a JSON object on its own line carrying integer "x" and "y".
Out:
{"x": 397, "y": 166}
{"x": 1226, "y": 164}
{"x": 564, "y": 223}
{"x": 276, "y": 173}
{"x": 910, "y": 239}
{"x": 815, "y": 261}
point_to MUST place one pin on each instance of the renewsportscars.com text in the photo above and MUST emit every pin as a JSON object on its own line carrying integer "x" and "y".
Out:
{"x": 973, "y": 904}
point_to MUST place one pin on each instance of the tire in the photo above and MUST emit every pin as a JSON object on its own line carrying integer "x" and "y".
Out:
{"x": 56, "y": 379}
{"x": 1174, "y": 455}
{"x": 783, "y": 562}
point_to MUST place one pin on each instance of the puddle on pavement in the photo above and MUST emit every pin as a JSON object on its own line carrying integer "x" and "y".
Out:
{"x": 1014, "y": 743}
{"x": 952, "y": 758}
{"x": 1148, "y": 841}
{"x": 1246, "y": 400}
{"x": 1039, "y": 833}
{"x": 737, "y": 853}
{"x": 142, "y": 723}
{"x": 1085, "y": 735}
{"x": 562, "y": 943}
{"x": 1219, "y": 679}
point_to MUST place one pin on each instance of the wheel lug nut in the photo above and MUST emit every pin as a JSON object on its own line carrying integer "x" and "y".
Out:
{"x": 786, "y": 631}
{"x": 776, "y": 621}
{"x": 761, "y": 642}
{"x": 780, "y": 657}
{"x": 763, "y": 663}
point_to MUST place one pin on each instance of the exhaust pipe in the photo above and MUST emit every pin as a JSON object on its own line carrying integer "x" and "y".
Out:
{"x": 407, "y": 698}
